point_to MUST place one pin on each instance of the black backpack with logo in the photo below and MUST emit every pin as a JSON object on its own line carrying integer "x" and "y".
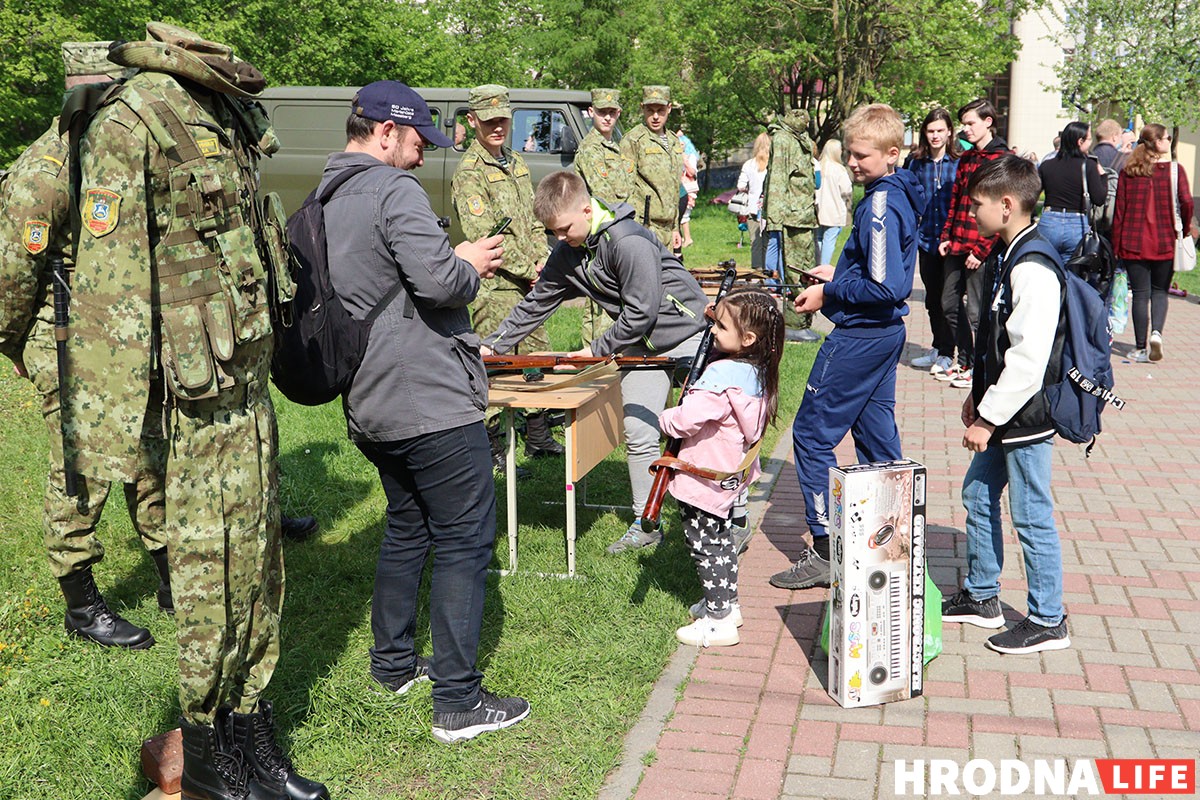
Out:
{"x": 317, "y": 355}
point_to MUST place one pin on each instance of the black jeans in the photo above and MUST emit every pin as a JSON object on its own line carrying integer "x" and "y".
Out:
{"x": 933, "y": 276}
{"x": 962, "y": 318}
{"x": 1150, "y": 281}
{"x": 440, "y": 491}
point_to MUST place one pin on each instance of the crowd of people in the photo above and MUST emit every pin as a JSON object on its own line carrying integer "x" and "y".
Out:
{"x": 176, "y": 290}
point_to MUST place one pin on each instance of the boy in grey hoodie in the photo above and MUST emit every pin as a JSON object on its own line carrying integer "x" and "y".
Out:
{"x": 656, "y": 305}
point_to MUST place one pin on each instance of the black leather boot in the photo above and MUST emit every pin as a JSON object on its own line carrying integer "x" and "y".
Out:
{"x": 499, "y": 446}
{"x": 213, "y": 765}
{"x": 297, "y": 529}
{"x": 166, "y": 603}
{"x": 538, "y": 439}
{"x": 256, "y": 737}
{"x": 89, "y": 617}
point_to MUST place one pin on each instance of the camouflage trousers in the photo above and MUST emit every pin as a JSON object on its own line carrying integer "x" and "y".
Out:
{"x": 69, "y": 523}
{"x": 595, "y": 321}
{"x": 496, "y": 298}
{"x": 799, "y": 247}
{"x": 225, "y": 550}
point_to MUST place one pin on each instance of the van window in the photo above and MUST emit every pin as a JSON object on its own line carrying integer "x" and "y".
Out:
{"x": 538, "y": 130}
{"x": 436, "y": 116}
{"x": 464, "y": 134}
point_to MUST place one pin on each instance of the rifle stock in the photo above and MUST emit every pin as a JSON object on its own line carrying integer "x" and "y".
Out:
{"x": 500, "y": 363}
{"x": 658, "y": 490}
{"x": 62, "y": 305}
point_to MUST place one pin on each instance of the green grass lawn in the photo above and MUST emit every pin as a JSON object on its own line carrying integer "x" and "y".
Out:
{"x": 585, "y": 652}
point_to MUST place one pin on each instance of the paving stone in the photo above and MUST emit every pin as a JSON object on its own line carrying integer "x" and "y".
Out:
{"x": 810, "y": 765}
{"x": 826, "y": 788}
{"x": 1128, "y": 742}
{"x": 993, "y": 746}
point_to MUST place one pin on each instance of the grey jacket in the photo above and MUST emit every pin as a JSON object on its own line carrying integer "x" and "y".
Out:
{"x": 655, "y": 303}
{"x": 422, "y": 371}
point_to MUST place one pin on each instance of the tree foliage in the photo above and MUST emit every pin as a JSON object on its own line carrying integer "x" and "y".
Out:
{"x": 1141, "y": 56}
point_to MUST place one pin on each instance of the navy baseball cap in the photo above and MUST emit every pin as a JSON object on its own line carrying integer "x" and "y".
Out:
{"x": 392, "y": 100}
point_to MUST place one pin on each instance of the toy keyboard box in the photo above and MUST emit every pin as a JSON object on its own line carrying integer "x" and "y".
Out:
{"x": 876, "y": 631}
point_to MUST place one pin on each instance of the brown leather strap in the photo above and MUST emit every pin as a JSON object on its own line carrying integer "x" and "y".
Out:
{"x": 671, "y": 462}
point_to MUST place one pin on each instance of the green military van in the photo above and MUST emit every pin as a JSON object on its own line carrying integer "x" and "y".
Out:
{"x": 548, "y": 125}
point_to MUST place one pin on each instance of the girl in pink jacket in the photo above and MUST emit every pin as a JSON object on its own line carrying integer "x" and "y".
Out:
{"x": 719, "y": 419}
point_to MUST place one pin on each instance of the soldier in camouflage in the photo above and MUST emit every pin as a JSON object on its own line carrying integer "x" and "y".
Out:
{"x": 608, "y": 175}
{"x": 657, "y": 156}
{"x": 34, "y": 227}
{"x": 790, "y": 211}
{"x": 490, "y": 183}
{"x": 178, "y": 270}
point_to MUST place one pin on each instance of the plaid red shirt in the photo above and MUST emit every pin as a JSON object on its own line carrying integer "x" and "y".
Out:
{"x": 1144, "y": 223}
{"x": 960, "y": 229}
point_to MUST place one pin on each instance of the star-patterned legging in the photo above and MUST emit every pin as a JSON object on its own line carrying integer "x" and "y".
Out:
{"x": 710, "y": 540}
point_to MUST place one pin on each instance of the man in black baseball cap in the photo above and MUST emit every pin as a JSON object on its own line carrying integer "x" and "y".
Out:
{"x": 392, "y": 101}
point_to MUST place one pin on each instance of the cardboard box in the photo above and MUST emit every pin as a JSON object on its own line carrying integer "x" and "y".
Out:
{"x": 876, "y": 630}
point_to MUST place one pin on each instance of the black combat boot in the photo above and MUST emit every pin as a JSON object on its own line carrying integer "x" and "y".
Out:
{"x": 89, "y": 617}
{"x": 297, "y": 529}
{"x": 166, "y": 603}
{"x": 538, "y": 439}
{"x": 499, "y": 446}
{"x": 256, "y": 737}
{"x": 213, "y": 765}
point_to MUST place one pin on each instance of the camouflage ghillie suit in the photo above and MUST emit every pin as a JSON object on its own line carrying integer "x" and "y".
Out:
{"x": 789, "y": 201}
{"x": 34, "y": 226}
{"x": 172, "y": 321}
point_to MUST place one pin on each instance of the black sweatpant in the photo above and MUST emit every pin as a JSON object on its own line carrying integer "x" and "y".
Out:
{"x": 710, "y": 540}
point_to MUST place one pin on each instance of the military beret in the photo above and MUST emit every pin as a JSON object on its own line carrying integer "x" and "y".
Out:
{"x": 89, "y": 58}
{"x": 656, "y": 95}
{"x": 489, "y": 101}
{"x": 606, "y": 98}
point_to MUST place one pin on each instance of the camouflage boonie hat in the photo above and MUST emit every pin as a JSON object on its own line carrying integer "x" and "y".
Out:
{"x": 656, "y": 96}
{"x": 489, "y": 101}
{"x": 179, "y": 51}
{"x": 606, "y": 98}
{"x": 89, "y": 58}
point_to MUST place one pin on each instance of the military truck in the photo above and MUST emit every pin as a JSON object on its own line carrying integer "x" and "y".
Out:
{"x": 548, "y": 125}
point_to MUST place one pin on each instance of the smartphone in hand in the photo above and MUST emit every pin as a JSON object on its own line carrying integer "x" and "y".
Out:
{"x": 501, "y": 227}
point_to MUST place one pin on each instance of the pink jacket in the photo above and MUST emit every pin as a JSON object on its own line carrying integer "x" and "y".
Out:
{"x": 719, "y": 420}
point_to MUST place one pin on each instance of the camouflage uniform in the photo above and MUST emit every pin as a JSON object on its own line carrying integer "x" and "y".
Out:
{"x": 171, "y": 321}
{"x": 789, "y": 201}
{"x": 33, "y": 226}
{"x": 658, "y": 170}
{"x": 609, "y": 176}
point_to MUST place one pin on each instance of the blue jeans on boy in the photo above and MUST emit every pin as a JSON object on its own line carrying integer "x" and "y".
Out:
{"x": 1064, "y": 230}
{"x": 1025, "y": 469}
{"x": 827, "y": 239}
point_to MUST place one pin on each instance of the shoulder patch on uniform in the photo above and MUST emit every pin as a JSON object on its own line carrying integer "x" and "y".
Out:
{"x": 475, "y": 205}
{"x": 101, "y": 211}
{"x": 629, "y": 167}
{"x": 35, "y": 236}
{"x": 209, "y": 146}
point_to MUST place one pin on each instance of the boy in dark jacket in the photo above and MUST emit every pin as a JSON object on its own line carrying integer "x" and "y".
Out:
{"x": 852, "y": 385}
{"x": 657, "y": 309}
{"x": 1018, "y": 352}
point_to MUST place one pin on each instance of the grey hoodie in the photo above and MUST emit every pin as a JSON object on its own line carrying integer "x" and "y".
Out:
{"x": 655, "y": 303}
{"x": 422, "y": 372}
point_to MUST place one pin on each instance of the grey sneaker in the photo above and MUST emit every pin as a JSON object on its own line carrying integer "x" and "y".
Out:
{"x": 802, "y": 335}
{"x": 634, "y": 539}
{"x": 1139, "y": 356}
{"x": 926, "y": 361}
{"x": 808, "y": 571}
{"x": 491, "y": 713}
{"x": 403, "y": 683}
{"x": 741, "y": 537}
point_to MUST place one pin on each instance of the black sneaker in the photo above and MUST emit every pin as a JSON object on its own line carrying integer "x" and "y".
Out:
{"x": 1029, "y": 637}
{"x": 983, "y": 613}
{"x": 402, "y": 684}
{"x": 808, "y": 571}
{"x": 491, "y": 714}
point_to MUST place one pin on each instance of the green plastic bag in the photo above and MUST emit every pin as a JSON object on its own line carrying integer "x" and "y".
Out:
{"x": 933, "y": 620}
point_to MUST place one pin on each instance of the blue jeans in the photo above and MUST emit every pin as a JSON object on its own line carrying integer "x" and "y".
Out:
{"x": 827, "y": 236}
{"x": 1025, "y": 469}
{"x": 1064, "y": 230}
{"x": 774, "y": 252}
{"x": 440, "y": 492}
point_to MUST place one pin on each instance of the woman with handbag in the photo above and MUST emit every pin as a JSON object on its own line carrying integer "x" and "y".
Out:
{"x": 750, "y": 183}
{"x": 1064, "y": 219}
{"x": 1150, "y": 231}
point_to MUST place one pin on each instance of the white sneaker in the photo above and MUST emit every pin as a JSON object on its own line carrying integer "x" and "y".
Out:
{"x": 699, "y": 610}
{"x": 925, "y": 361}
{"x": 950, "y": 373}
{"x": 962, "y": 380}
{"x": 1138, "y": 356}
{"x": 709, "y": 632}
{"x": 1155, "y": 346}
{"x": 941, "y": 364}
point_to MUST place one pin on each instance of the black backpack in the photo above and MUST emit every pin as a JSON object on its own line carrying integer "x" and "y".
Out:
{"x": 317, "y": 355}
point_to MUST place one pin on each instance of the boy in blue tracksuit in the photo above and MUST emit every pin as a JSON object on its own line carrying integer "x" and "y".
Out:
{"x": 852, "y": 386}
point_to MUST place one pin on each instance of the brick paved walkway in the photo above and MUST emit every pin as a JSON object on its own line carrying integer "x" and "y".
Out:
{"x": 754, "y": 721}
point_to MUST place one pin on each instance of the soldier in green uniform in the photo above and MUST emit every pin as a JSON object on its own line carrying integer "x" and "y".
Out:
{"x": 790, "y": 211}
{"x": 34, "y": 227}
{"x": 490, "y": 183}
{"x": 657, "y": 156}
{"x": 178, "y": 271}
{"x": 608, "y": 175}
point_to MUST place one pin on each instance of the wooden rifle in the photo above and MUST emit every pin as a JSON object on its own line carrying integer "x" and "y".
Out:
{"x": 658, "y": 490}
{"x": 500, "y": 363}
